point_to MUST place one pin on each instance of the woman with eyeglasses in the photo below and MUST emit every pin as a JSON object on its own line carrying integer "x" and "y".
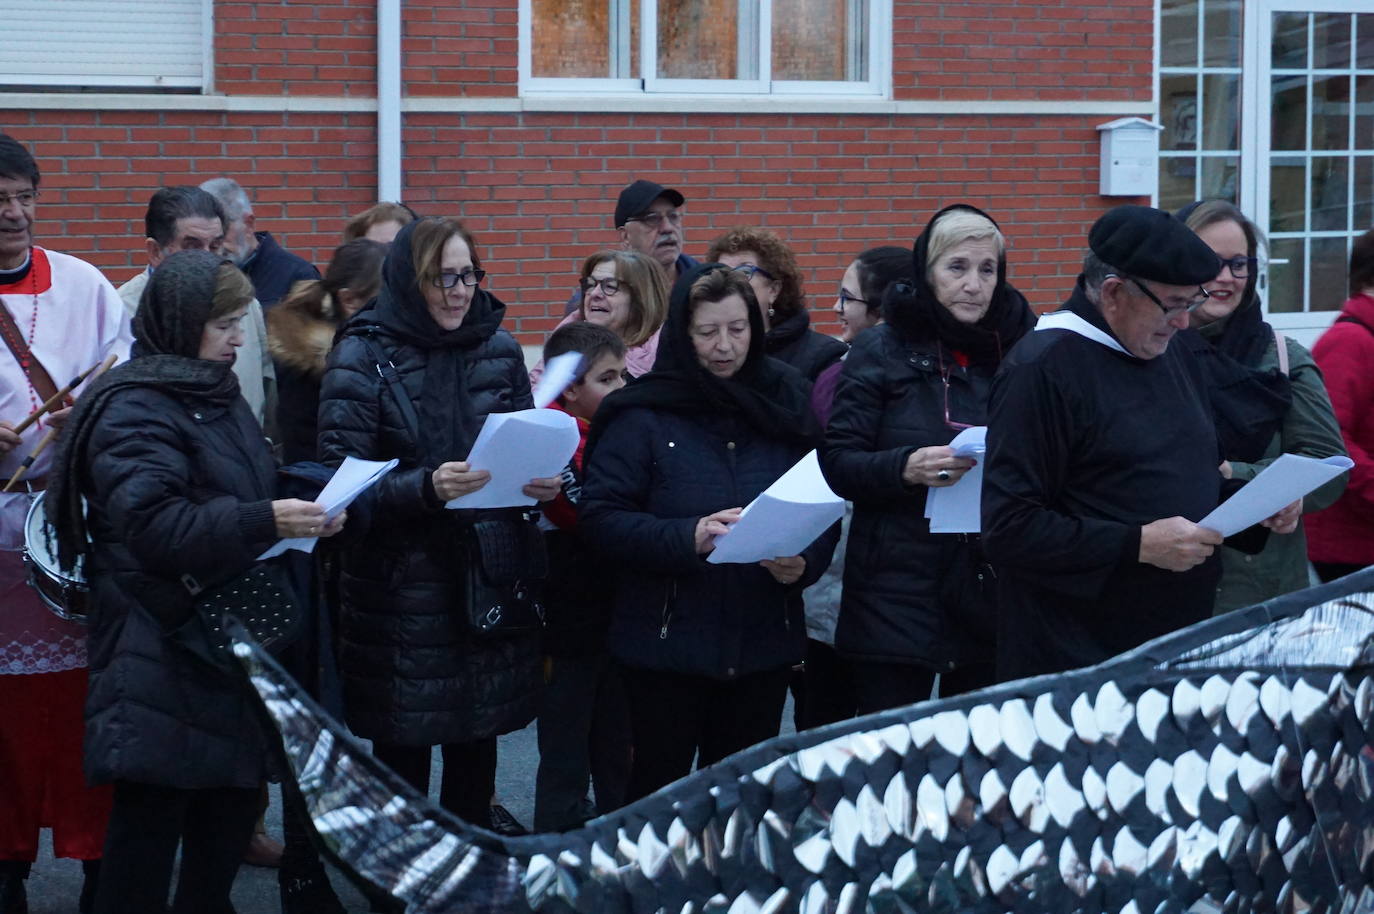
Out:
{"x": 910, "y": 607}
{"x": 772, "y": 270}
{"x": 413, "y": 378}
{"x": 1267, "y": 396}
{"x": 623, "y": 291}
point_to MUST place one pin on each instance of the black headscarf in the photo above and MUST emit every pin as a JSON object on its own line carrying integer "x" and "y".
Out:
{"x": 918, "y": 316}
{"x": 768, "y": 396}
{"x": 1248, "y": 402}
{"x": 448, "y": 425}
{"x": 168, "y": 325}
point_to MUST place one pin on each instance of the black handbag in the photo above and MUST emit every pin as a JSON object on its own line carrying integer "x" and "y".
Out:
{"x": 259, "y": 598}
{"x": 503, "y": 574}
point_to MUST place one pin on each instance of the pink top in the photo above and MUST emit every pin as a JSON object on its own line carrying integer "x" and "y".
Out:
{"x": 638, "y": 359}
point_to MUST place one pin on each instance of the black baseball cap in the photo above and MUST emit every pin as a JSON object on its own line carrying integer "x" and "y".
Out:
{"x": 639, "y": 196}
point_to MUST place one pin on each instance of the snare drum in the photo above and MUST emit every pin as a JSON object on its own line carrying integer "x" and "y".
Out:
{"x": 66, "y": 594}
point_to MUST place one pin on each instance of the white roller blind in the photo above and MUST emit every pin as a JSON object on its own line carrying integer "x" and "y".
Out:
{"x": 103, "y": 43}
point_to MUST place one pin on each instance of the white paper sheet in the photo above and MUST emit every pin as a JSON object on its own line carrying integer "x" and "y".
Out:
{"x": 1281, "y": 483}
{"x": 559, "y": 372}
{"x": 784, "y": 520}
{"x": 351, "y": 479}
{"x": 515, "y": 448}
{"x": 958, "y": 508}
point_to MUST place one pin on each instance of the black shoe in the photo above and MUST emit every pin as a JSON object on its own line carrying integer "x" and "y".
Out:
{"x": 306, "y": 890}
{"x": 503, "y": 823}
{"x": 13, "y": 898}
{"x": 91, "y": 870}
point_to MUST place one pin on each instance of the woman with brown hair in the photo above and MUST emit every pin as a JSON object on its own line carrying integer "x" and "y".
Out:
{"x": 773, "y": 272}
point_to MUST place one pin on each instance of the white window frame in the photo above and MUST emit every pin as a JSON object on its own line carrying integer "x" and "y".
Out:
{"x": 204, "y": 83}
{"x": 755, "y": 35}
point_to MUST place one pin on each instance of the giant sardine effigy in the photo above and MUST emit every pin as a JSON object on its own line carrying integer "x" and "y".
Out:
{"x": 1227, "y": 767}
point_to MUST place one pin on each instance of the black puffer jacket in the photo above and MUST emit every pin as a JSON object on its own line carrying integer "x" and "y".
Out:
{"x": 175, "y": 486}
{"x": 792, "y": 340}
{"x": 653, "y": 474}
{"x": 891, "y": 401}
{"x": 412, "y": 674}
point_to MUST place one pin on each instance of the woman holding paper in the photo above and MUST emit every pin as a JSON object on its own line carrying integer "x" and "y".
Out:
{"x": 706, "y": 649}
{"x": 1268, "y": 398}
{"x": 911, "y": 605}
{"x": 414, "y": 378}
{"x": 179, "y": 488}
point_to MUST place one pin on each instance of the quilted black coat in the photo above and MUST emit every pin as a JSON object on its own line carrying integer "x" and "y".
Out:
{"x": 792, "y": 340}
{"x": 174, "y": 487}
{"x": 412, "y": 674}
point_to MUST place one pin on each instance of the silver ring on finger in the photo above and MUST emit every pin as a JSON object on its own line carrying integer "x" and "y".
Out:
{"x": 943, "y": 476}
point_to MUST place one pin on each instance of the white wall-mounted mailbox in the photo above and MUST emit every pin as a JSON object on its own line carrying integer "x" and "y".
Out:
{"x": 1130, "y": 158}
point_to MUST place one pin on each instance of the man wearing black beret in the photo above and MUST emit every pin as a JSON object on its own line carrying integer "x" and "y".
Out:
{"x": 1101, "y": 456}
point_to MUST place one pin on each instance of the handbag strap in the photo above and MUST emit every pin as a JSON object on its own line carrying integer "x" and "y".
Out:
{"x": 386, "y": 370}
{"x": 38, "y": 375}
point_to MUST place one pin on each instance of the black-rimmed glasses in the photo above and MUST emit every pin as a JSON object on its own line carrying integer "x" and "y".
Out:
{"x": 846, "y": 298}
{"x": 1241, "y": 267}
{"x": 749, "y": 269}
{"x": 467, "y": 278}
{"x": 609, "y": 286}
{"x": 1193, "y": 303}
{"x": 656, "y": 220}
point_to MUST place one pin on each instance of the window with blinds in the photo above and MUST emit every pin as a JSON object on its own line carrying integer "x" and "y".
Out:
{"x": 104, "y": 44}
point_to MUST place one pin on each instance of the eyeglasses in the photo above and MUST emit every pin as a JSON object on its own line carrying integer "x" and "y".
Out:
{"x": 944, "y": 379}
{"x": 846, "y": 298}
{"x": 25, "y": 198}
{"x": 467, "y": 278}
{"x": 655, "y": 220}
{"x": 609, "y": 286}
{"x": 1240, "y": 267}
{"x": 1193, "y": 303}
{"x": 749, "y": 269}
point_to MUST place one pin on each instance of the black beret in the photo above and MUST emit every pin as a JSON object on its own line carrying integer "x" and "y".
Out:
{"x": 1149, "y": 243}
{"x": 639, "y": 196}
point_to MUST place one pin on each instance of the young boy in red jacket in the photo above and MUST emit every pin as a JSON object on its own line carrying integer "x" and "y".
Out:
{"x": 583, "y": 722}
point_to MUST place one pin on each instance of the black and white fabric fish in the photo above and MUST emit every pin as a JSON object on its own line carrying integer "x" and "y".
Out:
{"x": 1228, "y": 767}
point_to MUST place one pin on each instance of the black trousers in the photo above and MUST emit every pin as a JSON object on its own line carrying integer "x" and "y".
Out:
{"x": 674, "y": 716}
{"x": 882, "y": 686}
{"x": 823, "y": 690}
{"x": 468, "y": 781}
{"x": 584, "y": 734}
{"x": 147, "y": 823}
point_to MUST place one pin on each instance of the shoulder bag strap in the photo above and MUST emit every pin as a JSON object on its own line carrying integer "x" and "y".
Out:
{"x": 37, "y": 374}
{"x": 1351, "y": 319}
{"x": 386, "y": 370}
{"x": 1282, "y": 349}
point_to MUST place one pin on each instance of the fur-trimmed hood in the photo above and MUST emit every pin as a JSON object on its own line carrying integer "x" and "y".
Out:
{"x": 300, "y": 334}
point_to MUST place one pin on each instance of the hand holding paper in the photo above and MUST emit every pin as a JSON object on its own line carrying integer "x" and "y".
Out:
{"x": 784, "y": 520}
{"x": 351, "y": 479}
{"x": 516, "y": 448}
{"x": 958, "y": 508}
{"x": 1287, "y": 479}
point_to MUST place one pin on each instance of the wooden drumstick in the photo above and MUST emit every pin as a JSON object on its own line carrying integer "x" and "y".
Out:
{"x": 57, "y": 398}
{"x": 47, "y": 439}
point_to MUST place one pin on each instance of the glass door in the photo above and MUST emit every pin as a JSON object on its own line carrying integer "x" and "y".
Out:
{"x": 1312, "y": 127}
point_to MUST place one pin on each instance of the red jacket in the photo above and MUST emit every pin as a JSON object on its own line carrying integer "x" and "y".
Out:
{"x": 1344, "y": 532}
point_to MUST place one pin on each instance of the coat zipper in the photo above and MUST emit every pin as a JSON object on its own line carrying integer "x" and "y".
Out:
{"x": 667, "y": 614}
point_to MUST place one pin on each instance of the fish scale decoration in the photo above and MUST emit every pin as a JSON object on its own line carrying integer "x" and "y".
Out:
{"x": 1225, "y": 768}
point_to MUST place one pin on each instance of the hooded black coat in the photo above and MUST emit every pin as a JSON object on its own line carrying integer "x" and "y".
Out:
{"x": 663, "y": 454}
{"x": 412, "y": 674}
{"x": 891, "y": 401}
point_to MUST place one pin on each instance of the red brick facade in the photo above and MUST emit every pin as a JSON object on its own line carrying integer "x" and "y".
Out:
{"x": 538, "y": 187}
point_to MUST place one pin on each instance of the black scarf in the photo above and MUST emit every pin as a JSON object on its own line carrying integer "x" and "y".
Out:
{"x": 769, "y": 397}
{"x": 171, "y": 318}
{"x": 1248, "y": 402}
{"x": 918, "y": 316}
{"x": 448, "y": 424}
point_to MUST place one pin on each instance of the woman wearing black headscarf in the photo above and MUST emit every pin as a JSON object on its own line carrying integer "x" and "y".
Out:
{"x": 706, "y": 649}
{"x": 912, "y": 604}
{"x": 179, "y": 486}
{"x": 1266, "y": 400}
{"x": 414, "y": 677}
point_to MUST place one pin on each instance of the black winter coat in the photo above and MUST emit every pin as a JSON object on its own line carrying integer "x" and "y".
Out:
{"x": 274, "y": 270}
{"x": 412, "y": 674}
{"x": 890, "y": 401}
{"x": 652, "y": 475}
{"x": 174, "y": 487}
{"x": 793, "y": 341}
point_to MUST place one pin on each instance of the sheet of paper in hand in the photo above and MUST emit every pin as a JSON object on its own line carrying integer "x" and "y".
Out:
{"x": 351, "y": 479}
{"x": 515, "y": 448}
{"x": 784, "y": 520}
{"x": 1283, "y": 482}
{"x": 957, "y": 508}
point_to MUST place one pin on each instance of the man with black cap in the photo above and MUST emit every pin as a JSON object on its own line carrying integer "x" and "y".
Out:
{"x": 1101, "y": 457}
{"x": 649, "y": 220}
